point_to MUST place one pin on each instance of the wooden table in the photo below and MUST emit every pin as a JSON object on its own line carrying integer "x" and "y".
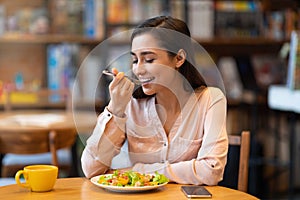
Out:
{"x": 82, "y": 121}
{"x": 82, "y": 188}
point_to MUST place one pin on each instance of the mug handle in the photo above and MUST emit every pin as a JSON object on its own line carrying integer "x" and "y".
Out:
{"x": 17, "y": 178}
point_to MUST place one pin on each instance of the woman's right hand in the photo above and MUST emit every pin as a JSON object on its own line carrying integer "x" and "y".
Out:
{"x": 120, "y": 89}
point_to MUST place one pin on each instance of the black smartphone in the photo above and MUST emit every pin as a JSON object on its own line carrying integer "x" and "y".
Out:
{"x": 195, "y": 191}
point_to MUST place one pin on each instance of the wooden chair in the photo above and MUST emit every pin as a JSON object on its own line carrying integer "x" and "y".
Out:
{"x": 45, "y": 147}
{"x": 239, "y": 152}
{"x": 29, "y": 143}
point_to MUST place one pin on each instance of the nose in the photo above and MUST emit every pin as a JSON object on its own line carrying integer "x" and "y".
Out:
{"x": 138, "y": 69}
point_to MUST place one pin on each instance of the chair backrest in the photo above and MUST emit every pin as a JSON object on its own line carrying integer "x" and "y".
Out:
{"x": 239, "y": 152}
{"x": 59, "y": 140}
{"x": 35, "y": 141}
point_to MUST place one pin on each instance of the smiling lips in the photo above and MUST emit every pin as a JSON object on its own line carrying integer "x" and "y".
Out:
{"x": 146, "y": 80}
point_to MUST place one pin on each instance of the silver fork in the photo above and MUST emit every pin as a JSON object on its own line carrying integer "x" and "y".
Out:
{"x": 135, "y": 81}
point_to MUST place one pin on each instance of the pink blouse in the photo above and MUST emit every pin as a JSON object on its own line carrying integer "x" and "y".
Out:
{"x": 194, "y": 152}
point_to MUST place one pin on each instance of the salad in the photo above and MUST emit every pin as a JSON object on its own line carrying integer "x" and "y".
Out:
{"x": 131, "y": 178}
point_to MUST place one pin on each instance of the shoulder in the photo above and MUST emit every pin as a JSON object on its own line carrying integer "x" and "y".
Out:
{"x": 211, "y": 93}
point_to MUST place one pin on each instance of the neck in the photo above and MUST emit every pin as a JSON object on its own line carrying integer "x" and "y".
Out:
{"x": 172, "y": 101}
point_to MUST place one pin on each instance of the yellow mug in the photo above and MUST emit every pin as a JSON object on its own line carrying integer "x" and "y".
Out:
{"x": 38, "y": 178}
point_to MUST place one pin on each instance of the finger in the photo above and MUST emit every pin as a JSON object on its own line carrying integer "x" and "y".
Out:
{"x": 124, "y": 82}
{"x": 127, "y": 84}
{"x": 114, "y": 70}
{"x": 131, "y": 88}
{"x": 116, "y": 80}
{"x": 120, "y": 75}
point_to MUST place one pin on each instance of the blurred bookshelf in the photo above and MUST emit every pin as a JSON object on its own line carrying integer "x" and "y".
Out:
{"x": 227, "y": 28}
{"x": 47, "y": 39}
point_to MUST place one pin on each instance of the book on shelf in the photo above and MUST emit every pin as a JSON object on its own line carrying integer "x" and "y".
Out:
{"x": 117, "y": 11}
{"x": 241, "y": 19}
{"x": 61, "y": 65}
{"x": 268, "y": 69}
{"x": 132, "y": 11}
{"x": 151, "y": 8}
{"x": 66, "y": 16}
{"x": 201, "y": 19}
{"x": 275, "y": 24}
{"x": 177, "y": 9}
{"x": 93, "y": 19}
{"x": 2, "y": 19}
{"x": 238, "y": 5}
{"x": 293, "y": 73}
{"x": 291, "y": 21}
{"x": 231, "y": 78}
{"x": 136, "y": 7}
{"x": 246, "y": 73}
{"x": 87, "y": 87}
{"x": 124, "y": 15}
{"x": 279, "y": 24}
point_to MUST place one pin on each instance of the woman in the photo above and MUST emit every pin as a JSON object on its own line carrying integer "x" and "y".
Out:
{"x": 173, "y": 123}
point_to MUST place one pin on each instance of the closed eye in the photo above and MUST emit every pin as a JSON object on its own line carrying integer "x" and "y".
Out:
{"x": 149, "y": 60}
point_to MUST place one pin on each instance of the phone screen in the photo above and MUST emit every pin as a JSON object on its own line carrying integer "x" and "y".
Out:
{"x": 195, "y": 191}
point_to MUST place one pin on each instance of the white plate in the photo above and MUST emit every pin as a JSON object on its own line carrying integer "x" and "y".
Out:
{"x": 95, "y": 179}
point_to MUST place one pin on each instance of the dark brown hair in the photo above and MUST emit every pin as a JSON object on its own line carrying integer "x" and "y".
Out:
{"x": 160, "y": 28}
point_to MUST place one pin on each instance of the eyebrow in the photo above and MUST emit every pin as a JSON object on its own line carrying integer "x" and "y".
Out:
{"x": 143, "y": 53}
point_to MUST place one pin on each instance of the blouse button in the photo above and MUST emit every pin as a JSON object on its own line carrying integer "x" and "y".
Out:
{"x": 108, "y": 114}
{"x": 165, "y": 144}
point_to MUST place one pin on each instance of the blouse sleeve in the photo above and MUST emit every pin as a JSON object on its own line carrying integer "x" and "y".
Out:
{"x": 105, "y": 142}
{"x": 208, "y": 167}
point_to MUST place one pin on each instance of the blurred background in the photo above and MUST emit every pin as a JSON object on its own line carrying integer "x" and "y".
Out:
{"x": 43, "y": 43}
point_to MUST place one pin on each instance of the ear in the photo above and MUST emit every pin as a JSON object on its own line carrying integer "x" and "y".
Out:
{"x": 180, "y": 58}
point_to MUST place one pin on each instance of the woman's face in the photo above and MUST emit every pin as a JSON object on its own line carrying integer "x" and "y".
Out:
{"x": 152, "y": 65}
